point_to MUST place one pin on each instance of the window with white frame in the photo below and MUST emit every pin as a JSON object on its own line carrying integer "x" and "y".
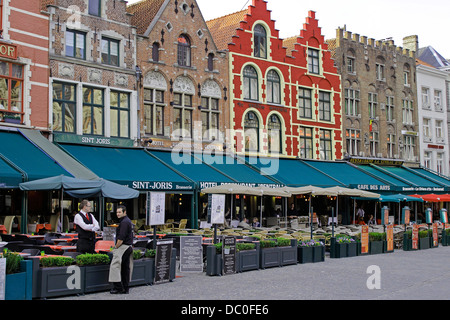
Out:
{"x": 313, "y": 61}
{"x": 406, "y": 78}
{"x": 440, "y": 162}
{"x": 351, "y": 102}
{"x": 182, "y": 110}
{"x": 426, "y": 98}
{"x": 408, "y": 111}
{"x": 390, "y": 110}
{"x": 439, "y": 129}
{"x": 350, "y": 64}
{"x": 409, "y": 148}
{"x": 390, "y": 145}
{"x": 210, "y": 118}
{"x": 154, "y": 111}
{"x": 373, "y": 103}
{"x": 353, "y": 138}
{"x": 426, "y": 126}
{"x": 380, "y": 73}
{"x": 427, "y": 159}
{"x": 438, "y": 100}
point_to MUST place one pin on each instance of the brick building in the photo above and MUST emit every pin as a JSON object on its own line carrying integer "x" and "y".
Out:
{"x": 285, "y": 95}
{"x": 379, "y": 97}
{"x": 92, "y": 72}
{"x": 184, "y": 94}
{"x": 23, "y": 65}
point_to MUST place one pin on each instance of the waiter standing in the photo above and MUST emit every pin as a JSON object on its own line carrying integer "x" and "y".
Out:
{"x": 86, "y": 227}
{"x": 122, "y": 263}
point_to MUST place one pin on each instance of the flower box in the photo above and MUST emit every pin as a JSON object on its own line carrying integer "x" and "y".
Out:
{"x": 338, "y": 250}
{"x": 270, "y": 257}
{"x": 289, "y": 254}
{"x": 96, "y": 278}
{"x": 305, "y": 254}
{"x": 53, "y": 282}
{"x": 376, "y": 247}
{"x": 247, "y": 260}
{"x": 143, "y": 272}
{"x": 19, "y": 285}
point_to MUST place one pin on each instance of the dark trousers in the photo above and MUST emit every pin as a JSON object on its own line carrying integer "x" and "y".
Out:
{"x": 124, "y": 271}
{"x": 85, "y": 246}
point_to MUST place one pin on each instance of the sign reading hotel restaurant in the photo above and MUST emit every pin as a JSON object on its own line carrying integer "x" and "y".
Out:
{"x": 191, "y": 254}
{"x": 156, "y": 208}
{"x": 162, "y": 261}
{"x": 365, "y": 239}
{"x": 8, "y": 51}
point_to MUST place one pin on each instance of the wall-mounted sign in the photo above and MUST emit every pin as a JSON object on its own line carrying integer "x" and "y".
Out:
{"x": 377, "y": 161}
{"x": 93, "y": 140}
{"x": 8, "y": 51}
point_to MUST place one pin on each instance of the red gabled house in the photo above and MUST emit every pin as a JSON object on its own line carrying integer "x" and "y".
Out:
{"x": 285, "y": 97}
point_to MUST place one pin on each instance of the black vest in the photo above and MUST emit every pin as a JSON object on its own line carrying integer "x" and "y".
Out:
{"x": 83, "y": 234}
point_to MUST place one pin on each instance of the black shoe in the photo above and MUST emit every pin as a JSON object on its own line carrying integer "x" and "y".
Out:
{"x": 115, "y": 291}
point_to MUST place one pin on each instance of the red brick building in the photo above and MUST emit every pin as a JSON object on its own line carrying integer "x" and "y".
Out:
{"x": 24, "y": 66}
{"x": 285, "y": 94}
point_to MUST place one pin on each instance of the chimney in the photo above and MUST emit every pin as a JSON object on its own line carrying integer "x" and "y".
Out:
{"x": 411, "y": 43}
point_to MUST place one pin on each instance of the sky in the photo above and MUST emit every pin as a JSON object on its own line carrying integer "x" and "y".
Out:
{"x": 378, "y": 19}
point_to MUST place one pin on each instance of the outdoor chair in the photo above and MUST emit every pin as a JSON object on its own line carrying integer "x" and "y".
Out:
{"x": 49, "y": 236}
{"x": 13, "y": 246}
{"x": 32, "y": 251}
{"x": 140, "y": 244}
{"x": 8, "y": 223}
{"x": 104, "y": 245}
{"x": 8, "y": 237}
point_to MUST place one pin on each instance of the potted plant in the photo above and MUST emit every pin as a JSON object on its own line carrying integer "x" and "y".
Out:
{"x": 270, "y": 255}
{"x": 52, "y": 277}
{"x": 18, "y": 281}
{"x": 288, "y": 248}
{"x": 424, "y": 239}
{"x": 96, "y": 269}
{"x": 343, "y": 246}
{"x": 247, "y": 257}
{"x": 310, "y": 251}
{"x": 376, "y": 242}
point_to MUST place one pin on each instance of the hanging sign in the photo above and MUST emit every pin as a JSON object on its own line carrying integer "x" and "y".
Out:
{"x": 365, "y": 239}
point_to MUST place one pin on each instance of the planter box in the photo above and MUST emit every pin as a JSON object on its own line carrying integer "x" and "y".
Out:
{"x": 19, "y": 285}
{"x": 289, "y": 254}
{"x": 444, "y": 239}
{"x": 424, "y": 243}
{"x": 407, "y": 243}
{"x": 270, "y": 257}
{"x": 338, "y": 250}
{"x": 12, "y": 120}
{"x": 376, "y": 247}
{"x": 143, "y": 272}
{"x": 53, "y": 282}
{"x": 319, "y": 254}
{"x": 352, "y": 249}
{"x": 305, "y": 254}
{"x": 96, "y": 278}
{"x": 248, "y": 259}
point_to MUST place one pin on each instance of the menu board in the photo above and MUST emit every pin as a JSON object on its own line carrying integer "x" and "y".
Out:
{"x": 156, "y": 208}
{"x": 217, "y": 208}
{"x": 2, "y": 278}
{"x": 229, "y": 255}
{"x": 435, "y": 235}
{"x": 390, "y": 237}
{"x": 191, "y": 254}
{"x": 162, "y": 261}
{"x": 365, "y": 239}
{"x": 415, "y": 237}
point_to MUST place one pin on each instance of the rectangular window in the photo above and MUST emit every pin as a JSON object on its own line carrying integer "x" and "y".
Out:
{"x": 210, "y": 118}
{"x": 440, "y": 162}
{"x": 325, "y": 145}
{"x": 350, "y": 65}
{"x": 410, "y": 143}
{"x": 427, "y": 130}
{"x": 120, "y": 114}
{"x": 306, "y": 143}
{"x": 374, "y": 139}
{"x": 351, "y": 102}
{"x": 408, "y": 111}
{"x": 380, "y": 72}
{"x": 95, "y": 7}
{"x": 305, "y": 103}
{"x": 373, "y": 103}
{"x": 182, "y": 124}
{"x": 438, "y": 100}
{"x": 64, "y": 107}
{"x": 391, "y": 145}
{"x": 426, "y": 98}
{"x": 93, "y": 111}
{"x": 154, "y": 112}
{"x": 324, "y": 106}
{"x": 313, "y": 61}
{"x": 439, "y": 129}
{"x": 427, "y": 159}
{"x": 353, "y": 138}
{"x": 110, "y": 52}
{"x": 406, "y": 78}
{"x": 75, "y": 44}
{"x": 390, "y": 111}
{"x": 11, "y": 91}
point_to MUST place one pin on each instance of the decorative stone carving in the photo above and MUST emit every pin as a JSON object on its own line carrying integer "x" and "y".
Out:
{"x": 183, "y": 85}
{"x": 121, "y": 79}
{"x": 210, "y": 88}
{"x": 95, "y": 75}
{"x": 66, "y": 70}
{"x": 155, "y": 80}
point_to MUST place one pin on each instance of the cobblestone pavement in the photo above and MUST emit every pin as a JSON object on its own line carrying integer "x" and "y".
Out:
{"x": 403, "y": 275}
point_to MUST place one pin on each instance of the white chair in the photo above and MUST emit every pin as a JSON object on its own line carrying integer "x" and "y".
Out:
{"x": 8, "y": 223}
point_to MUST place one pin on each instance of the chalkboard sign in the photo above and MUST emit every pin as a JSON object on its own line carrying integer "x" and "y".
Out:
{"x": 2, "y": 278}
{"x": 109, "y": 234}
{"x": 229, "y": 255}
{"x": 162, "y": 262}
{"x": 191, "y": 254}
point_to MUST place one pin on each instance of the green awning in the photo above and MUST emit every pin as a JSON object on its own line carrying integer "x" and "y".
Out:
{"x": 293, "y": 172}
{"x": 133, "y": 167}
{"x": 433, "y": 176}
{"x": 193, "y": 167}
{"x": 26, "y": 157}
{"x": 377, "y": 171}
{"x": 9, "y": 177}
{"x": 416, "y": 182}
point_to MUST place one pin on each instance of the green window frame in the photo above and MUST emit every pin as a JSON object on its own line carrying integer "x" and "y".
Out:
{"x": 110, "y": 51}
{"x": 95, "y": 7}
{"x": 75, "y": 44}
{"x": 64, "y": 107}
{"x": 93, "y": 111}
{"x": 119, "y": 114}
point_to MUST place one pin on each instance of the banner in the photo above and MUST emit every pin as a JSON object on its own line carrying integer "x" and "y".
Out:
{"x": 435, "y": 235}
{"x": 415, "y": 237}
{"x": 365, "y": 239}
{"x": 390, "y": 237}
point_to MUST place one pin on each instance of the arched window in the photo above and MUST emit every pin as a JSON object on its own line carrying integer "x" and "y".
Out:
{"x": 273, "y": 87}
{"x": 251, "y": 132}
{"x": 274, "y": 134}
{"x": 155, "y": 52}
{"x": 260, "y": 41}
{"x": 184, "y": 51}
{"x": 250, "y": 83}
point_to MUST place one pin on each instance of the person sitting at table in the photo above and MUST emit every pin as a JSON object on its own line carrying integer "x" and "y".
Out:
{"x": 256, "y": 223}
{"x": 244, "y": 223}
{"x": 371, "y": 220}
{"x": 86, "y": 227}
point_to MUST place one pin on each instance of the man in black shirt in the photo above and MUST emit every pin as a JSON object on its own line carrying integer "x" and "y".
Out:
{"x": 122, "y": 263}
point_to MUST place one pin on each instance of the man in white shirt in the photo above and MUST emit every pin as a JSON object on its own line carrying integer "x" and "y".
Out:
{"x": 86, "y": 225}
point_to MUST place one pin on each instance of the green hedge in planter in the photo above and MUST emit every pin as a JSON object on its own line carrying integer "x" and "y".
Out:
{"x": 12, "y": 262}
{"x": 50, "y": 262}
{"x": 88, "y": 259}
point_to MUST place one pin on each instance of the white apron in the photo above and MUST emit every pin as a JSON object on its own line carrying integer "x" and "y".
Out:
{"x": 115, "y": 267}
